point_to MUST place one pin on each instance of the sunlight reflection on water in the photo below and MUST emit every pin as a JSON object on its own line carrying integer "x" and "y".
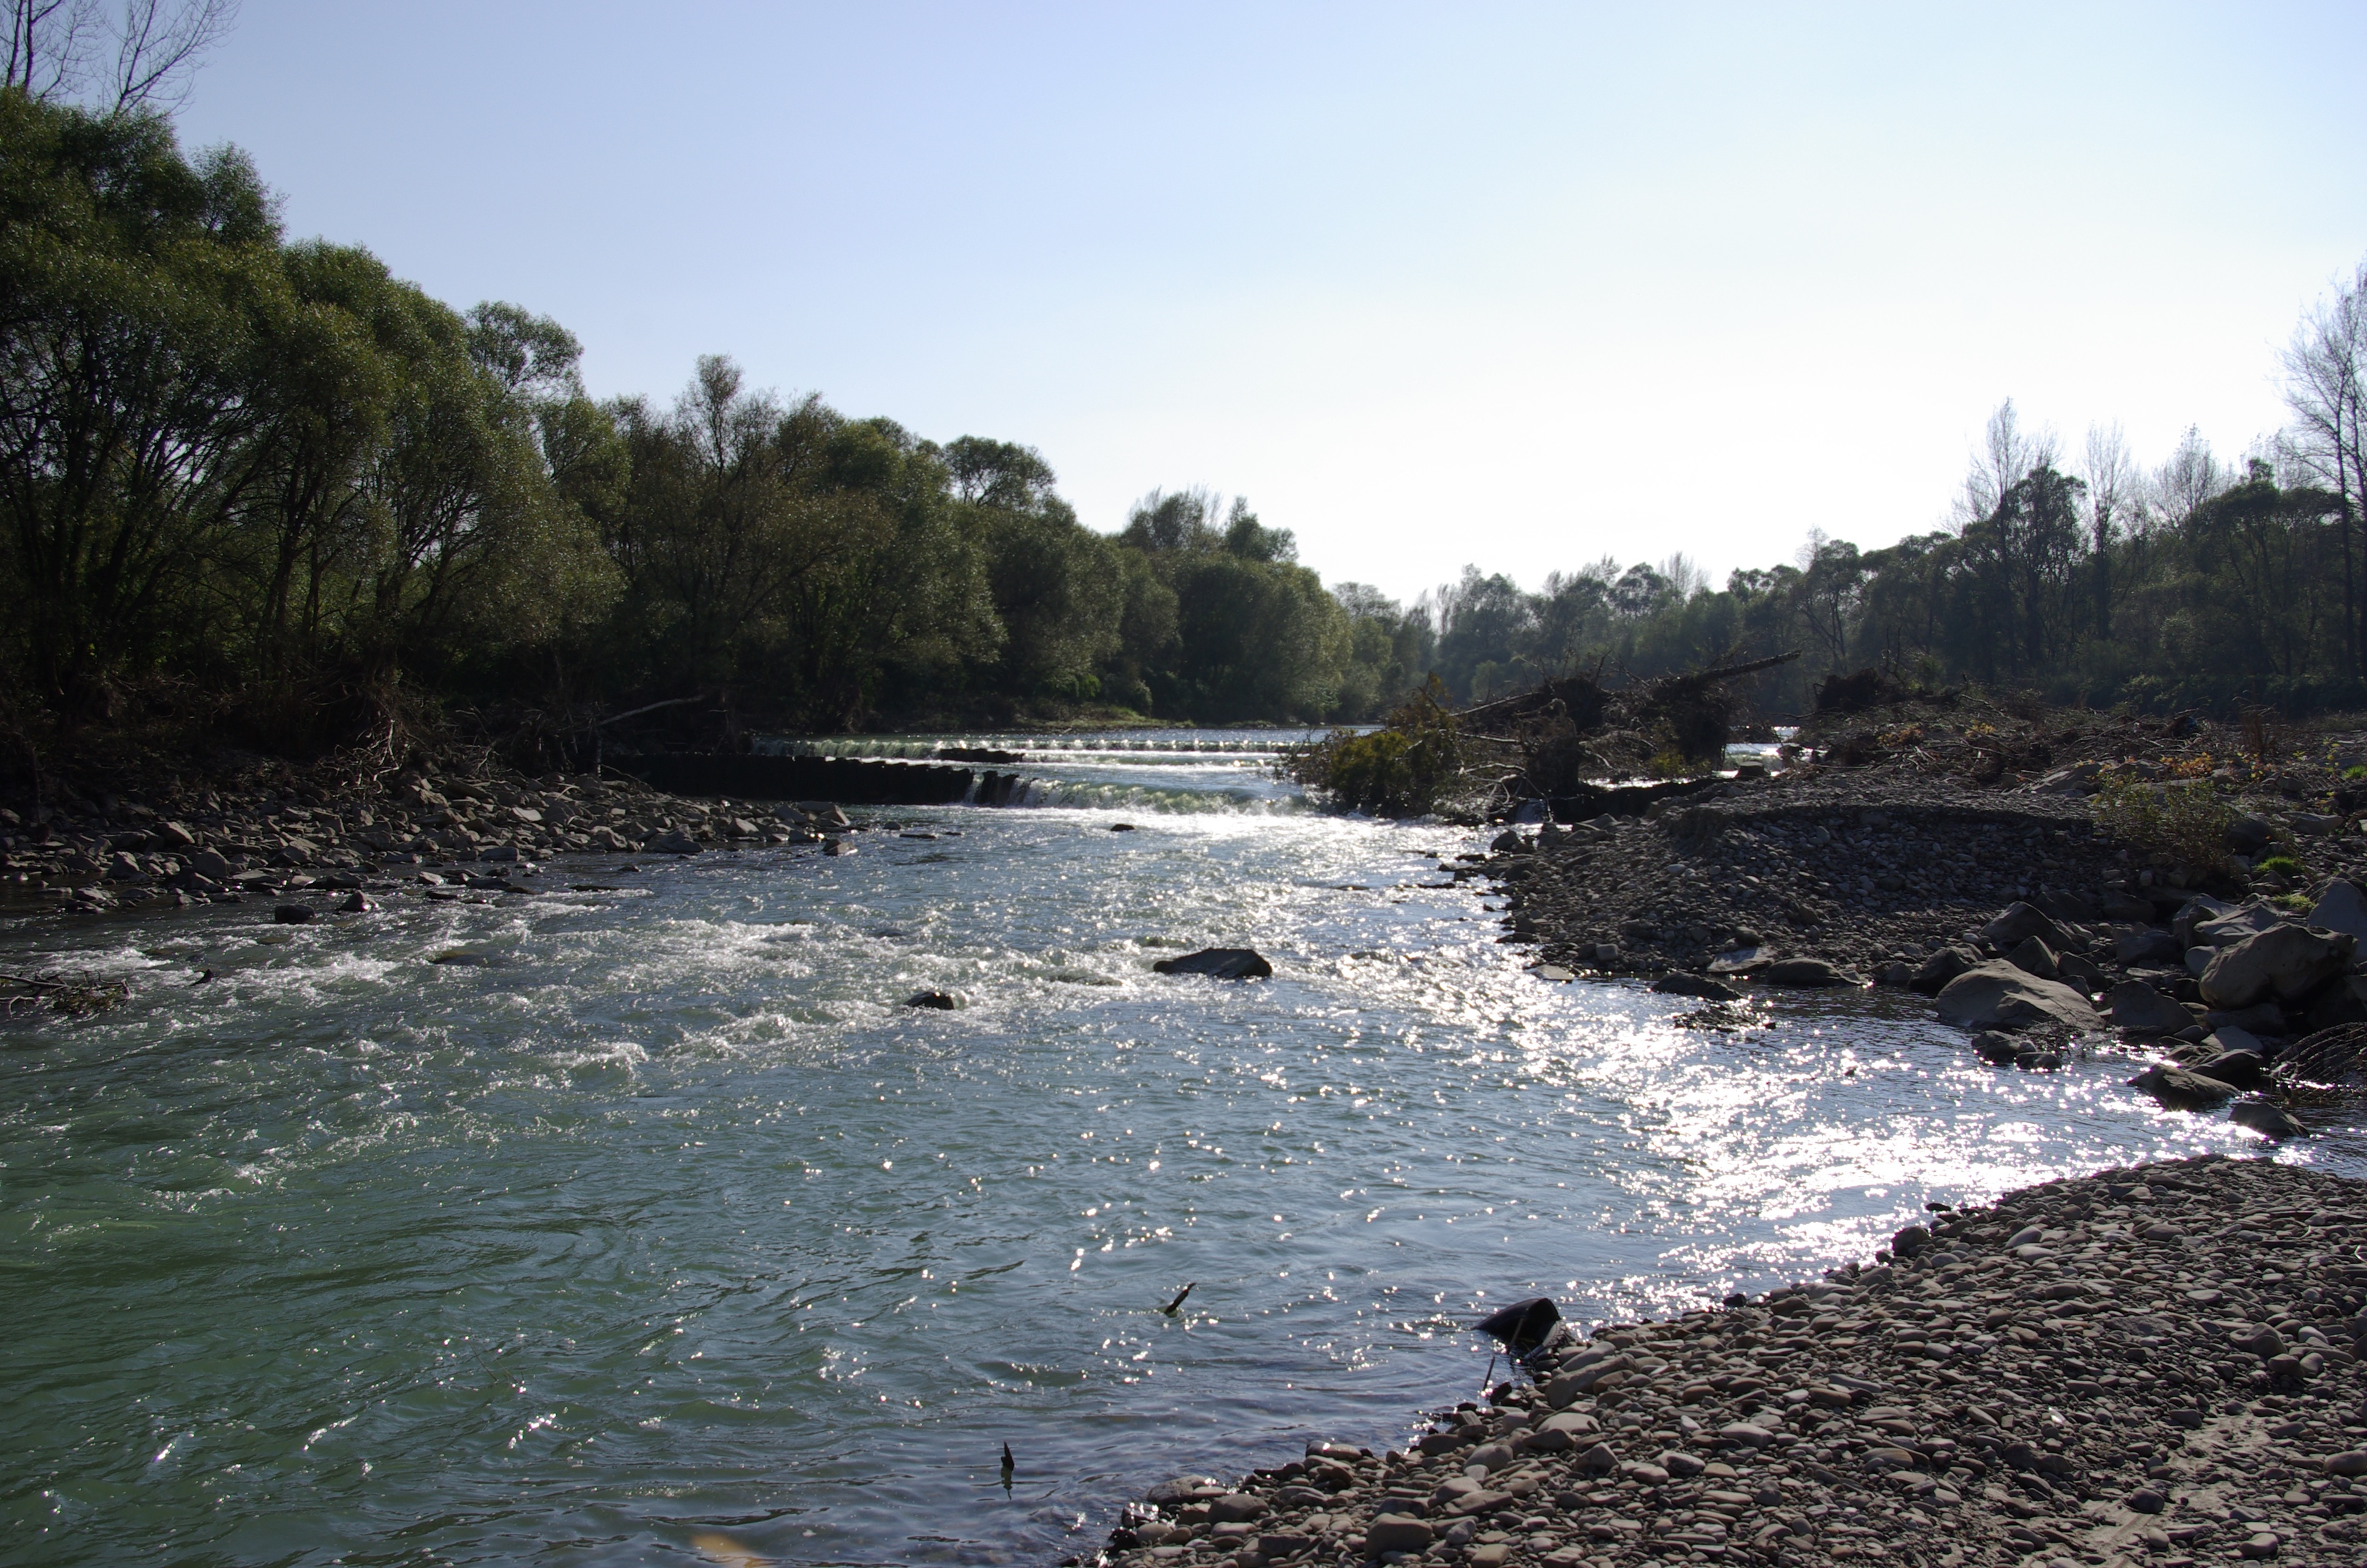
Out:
{"x": 671, "y": 1226}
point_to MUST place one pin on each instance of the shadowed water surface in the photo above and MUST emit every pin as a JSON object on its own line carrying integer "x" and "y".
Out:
{"x": 666, "y": 1232}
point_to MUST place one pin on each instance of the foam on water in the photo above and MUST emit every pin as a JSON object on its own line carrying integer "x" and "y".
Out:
{"x": 668, "y": 1222}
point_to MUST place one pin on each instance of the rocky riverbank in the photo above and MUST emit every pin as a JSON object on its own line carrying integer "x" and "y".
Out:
{"x": 291, "y": 837}
{"x": 2156, "y": 1366}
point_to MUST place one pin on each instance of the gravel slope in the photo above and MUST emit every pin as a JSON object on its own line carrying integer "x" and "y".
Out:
{"x": 2156, "y": 1365}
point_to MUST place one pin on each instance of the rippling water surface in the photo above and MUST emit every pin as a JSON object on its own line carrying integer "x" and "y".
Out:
{"x": 666, "y": 1232}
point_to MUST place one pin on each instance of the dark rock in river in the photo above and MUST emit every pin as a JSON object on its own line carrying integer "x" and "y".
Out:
{"x": 292, "y": 915}
{"x": 2267, "y": 1118}
{"x": 2182, "y": 1089}
{"x": 674, "y": 843}
{"x": 1806, "y": 974}
{"x": 1997, "y": 992}
{"x": 1682, "y": 984}
{"x": 1219, "y": 963}
{"x": 944, "y": 1001}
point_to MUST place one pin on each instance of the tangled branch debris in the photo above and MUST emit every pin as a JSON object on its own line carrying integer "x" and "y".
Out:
{"x": 76, "y": 994}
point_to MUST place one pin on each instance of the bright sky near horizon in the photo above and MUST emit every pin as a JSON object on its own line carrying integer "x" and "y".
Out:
{"x": 1514, "y": 285}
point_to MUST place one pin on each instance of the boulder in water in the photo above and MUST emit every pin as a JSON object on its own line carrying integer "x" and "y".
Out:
{"x": 292, "y": 915}
{"x": 674, "y": 844}
{"x": 2181, "y": 1089}
{"x": 1219, "y": 963}
{"x": 1695, "y": 985}
{"x": 944, "y": 1001}
{"x": 1806, "y": 972}
{"x": 1988, "y": 994}
{"x": 2268, "y": 1119}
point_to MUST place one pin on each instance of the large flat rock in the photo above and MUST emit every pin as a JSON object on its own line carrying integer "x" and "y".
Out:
{"x": 1996, "y": 993}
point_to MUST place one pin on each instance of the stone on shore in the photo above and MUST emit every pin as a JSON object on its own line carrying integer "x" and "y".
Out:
{"x": 2340, "y": 907}
{"x": 2099, "y": 1367}
{"x": 2137, "y": 1008}
{"x": 1998, "y": 993}
{"x": 2287, "y": 962}
{"x": 2018, "y": 922}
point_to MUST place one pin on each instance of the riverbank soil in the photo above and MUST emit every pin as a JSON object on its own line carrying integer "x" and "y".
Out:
{"x": 1905, "y": 830}
{"x": 2156, "y": 1365}
{"x": 263, "y": 829}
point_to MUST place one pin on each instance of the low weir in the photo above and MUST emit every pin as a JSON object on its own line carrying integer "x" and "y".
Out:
{"x": 848, "y": 780}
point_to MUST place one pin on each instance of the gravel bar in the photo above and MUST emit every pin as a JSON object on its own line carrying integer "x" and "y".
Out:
{"x": 2156, "y": 1365}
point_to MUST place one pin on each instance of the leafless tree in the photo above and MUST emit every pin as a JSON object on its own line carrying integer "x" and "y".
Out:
{"x": 2111, "y": 476}
{"x": 142, "y": 58}
{"x": 2326, "y": 387}
{"x": 2192, "y": 476}
{"x": 2008, "y": 455}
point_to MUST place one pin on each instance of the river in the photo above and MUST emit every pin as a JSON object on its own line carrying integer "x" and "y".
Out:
{"x": 665, "y": 1231}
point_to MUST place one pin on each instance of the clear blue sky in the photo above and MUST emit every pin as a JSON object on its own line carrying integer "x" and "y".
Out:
{"x": 1514, "y": 285}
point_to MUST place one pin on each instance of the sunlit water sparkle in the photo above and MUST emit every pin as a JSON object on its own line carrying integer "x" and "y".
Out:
{"x": 671, "y": 1227}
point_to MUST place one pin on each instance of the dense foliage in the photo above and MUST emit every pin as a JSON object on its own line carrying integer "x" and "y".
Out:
{"x": 233, "y": 464}
{"x": 271, "y": 474}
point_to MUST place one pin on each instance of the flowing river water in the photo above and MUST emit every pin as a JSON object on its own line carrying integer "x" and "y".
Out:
{"x": 666, "y": 1232}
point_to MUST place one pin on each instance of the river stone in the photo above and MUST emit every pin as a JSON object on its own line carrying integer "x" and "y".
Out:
{"x": 1988, "y": 994}
{"x": 2244, "y": 1069}
{"x": 2195, "y": 911}
{"x": 674, "y": 844}
{"x": 1219, "y": 963}
{"x": 2139, "y": 1009}
{"x": 2020, "y": 921}
{"x": 2269, "y": 1119}
{"x": 1805, "y": 973}
{"x": 2182, "y": 1090}
{"x": 2350, "y": 1461}
{"x": 1941, "y": 967}
{"x": 2287, "y": 962}
{"x": 292, "y": 915}
{"x": 2148, "y": 946}
{"x": 1598, "y": 1458}
{"x": 1235, "y": 1508}
{"x": 1997, "y": 1047}
{"x": 2032, "y": 956}
{"x": 2340, "y": 907}
{"x": 1398, "y": 1532}
{"x": 1743, "y": 1433}
{"x": 1695, "y": 985}
{"x": 2247, "y": 919}
{"x": 1182, "y": 1489}
{"x": 1913, "y": 1239}
{"x": 944, "y": 1001}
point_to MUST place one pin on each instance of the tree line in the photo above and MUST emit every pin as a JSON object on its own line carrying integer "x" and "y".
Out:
{"x": 266, "y": 479}
{"x": 269, "y": 472}
{"x": 2096, "y": 579}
